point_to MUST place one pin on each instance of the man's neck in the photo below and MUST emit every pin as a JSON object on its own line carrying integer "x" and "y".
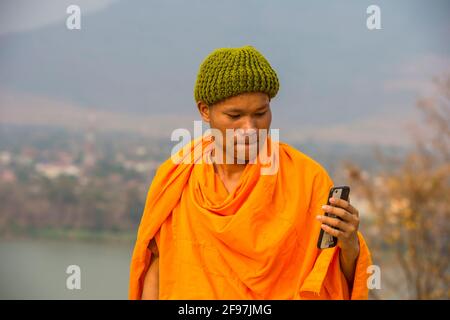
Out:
{"x": 229, "y": 171}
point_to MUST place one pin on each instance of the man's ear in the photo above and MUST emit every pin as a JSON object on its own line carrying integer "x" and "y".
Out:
{"x": 203, "y": 108}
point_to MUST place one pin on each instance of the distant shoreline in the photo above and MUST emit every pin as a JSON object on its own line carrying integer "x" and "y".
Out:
{"x": 70, "y": 234}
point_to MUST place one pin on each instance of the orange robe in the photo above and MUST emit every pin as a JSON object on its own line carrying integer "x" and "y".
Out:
{"x": 258, "y": 242}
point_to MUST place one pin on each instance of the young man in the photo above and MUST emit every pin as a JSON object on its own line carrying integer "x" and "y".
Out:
{"x": 221, "y": 229}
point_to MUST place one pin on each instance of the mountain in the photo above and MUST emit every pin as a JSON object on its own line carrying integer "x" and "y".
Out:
{"x": 138, "y": 60}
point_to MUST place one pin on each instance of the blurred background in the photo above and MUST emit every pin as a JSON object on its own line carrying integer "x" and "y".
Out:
{"x": 86, "y": 117}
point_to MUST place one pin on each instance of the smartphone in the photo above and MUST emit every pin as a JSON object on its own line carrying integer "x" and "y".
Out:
{"x": 326, "y": 240}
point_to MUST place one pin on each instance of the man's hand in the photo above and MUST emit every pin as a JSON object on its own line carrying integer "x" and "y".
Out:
{"x": 346, "y": 230}
{"x": 150, "y": 290}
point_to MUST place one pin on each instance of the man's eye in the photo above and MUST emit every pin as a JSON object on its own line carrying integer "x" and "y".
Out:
{"x": 234, "y": 116}
{"x": 260, "y": 114}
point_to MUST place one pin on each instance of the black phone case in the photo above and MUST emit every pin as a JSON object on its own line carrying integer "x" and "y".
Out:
{"x": 332, "y": 241}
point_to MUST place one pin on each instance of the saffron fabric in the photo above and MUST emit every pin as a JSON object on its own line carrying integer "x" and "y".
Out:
{"x": 256, "y": 242}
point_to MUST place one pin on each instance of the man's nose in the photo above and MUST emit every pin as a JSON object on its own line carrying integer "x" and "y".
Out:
{"x": 248, "y": 125}
{"x": 247, "y": 131}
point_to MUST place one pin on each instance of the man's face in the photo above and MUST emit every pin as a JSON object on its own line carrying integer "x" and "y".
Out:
{"x": 249, "y": 112}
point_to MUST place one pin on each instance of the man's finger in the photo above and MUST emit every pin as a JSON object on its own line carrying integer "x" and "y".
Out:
{"x": 345, "y": 205}
{"x": 334, "y": 232}
{"x": 341, "y": 213}
{"x": 335, "y": 222}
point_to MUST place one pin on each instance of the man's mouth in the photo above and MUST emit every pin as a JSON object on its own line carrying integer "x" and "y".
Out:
{"x": 245, "y": 143}
{"x": 246, "y": 140}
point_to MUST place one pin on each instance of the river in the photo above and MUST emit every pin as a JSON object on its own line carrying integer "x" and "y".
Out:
{"x": 36, "y": 269}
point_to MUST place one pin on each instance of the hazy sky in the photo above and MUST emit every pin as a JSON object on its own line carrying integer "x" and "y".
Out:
{"x": 138, "y": 60}
{"x": 26, "y": 15}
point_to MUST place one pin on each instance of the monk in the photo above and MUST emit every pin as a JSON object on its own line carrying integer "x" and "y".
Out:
{"x": 219, "y": 229}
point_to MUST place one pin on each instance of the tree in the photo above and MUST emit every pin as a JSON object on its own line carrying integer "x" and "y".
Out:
{"x": 411, "y": 203}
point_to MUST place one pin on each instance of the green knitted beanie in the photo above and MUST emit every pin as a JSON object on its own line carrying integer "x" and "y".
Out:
{"x": 227, "y": 72}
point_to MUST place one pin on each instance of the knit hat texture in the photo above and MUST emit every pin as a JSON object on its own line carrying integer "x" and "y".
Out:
{"x": 227, "y": 72}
